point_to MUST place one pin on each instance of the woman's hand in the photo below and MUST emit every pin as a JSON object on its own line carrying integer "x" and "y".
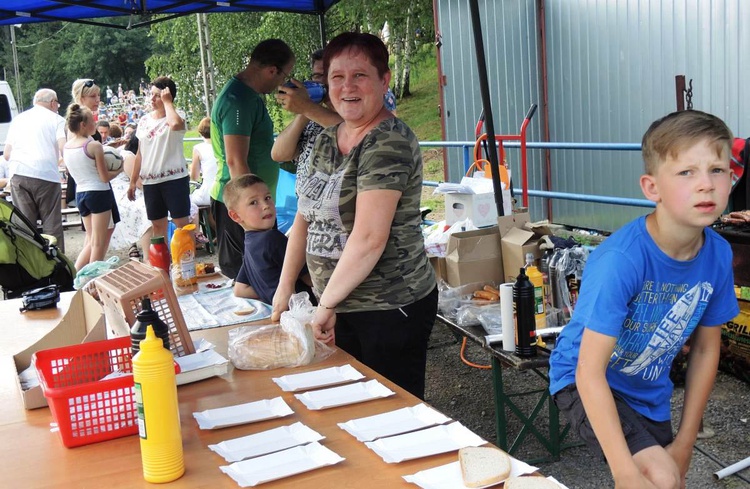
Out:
{"x": 166, "y": 95}
{"x": 295, "y": 100}
{"x": 323, "y": 324}
{"x": 281, "y": 302}
{"x": 131, "y": 191}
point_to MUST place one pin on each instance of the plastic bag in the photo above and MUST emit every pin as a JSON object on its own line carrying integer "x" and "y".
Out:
{"x": 453, "y": 301}
{"x": 94, "y": 270}
{"x": 289, "y": 344}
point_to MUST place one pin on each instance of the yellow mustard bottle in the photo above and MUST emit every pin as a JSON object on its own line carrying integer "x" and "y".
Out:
{"x": 537, "y": 280}
{"x": 158, "y": 411}
{"x": 182, "y": 248}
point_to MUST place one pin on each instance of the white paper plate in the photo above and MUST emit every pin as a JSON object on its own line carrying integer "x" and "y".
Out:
{"x": 242, "y": 413}
{"x": 394, "y": 422}
{"x": 423, "y": 443}
{"x": 318, "y": 378}
{"x": 266, "y": 442}
{"x": 281, "y": 464}
{"x": 449, "y": 476}
{"x": 346, "y": 394}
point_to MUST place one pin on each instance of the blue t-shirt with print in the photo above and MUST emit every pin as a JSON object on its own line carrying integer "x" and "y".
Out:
{"x": 651, "y": 303}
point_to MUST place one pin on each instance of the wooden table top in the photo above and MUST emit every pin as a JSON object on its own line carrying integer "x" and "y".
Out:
{"x": 38, "y": 458}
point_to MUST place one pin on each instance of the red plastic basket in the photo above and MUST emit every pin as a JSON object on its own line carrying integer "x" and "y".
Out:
{"x": 86, "y": 408}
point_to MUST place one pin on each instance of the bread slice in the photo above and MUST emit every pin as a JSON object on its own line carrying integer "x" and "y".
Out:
{"x": 482, "y": 466}
{"x": 529, "y": 483}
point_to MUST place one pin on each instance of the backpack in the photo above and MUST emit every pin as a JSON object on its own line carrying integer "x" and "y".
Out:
{"x": 27, "y": 259}
{"x": 740, "y": 197}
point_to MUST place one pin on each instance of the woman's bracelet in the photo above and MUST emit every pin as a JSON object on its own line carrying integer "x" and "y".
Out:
{"x": 326, "y": 307}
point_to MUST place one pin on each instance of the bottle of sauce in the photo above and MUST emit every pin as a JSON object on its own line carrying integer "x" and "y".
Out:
{"x": 537, "y": 280}
{"x": 158, "y": 253}
{"x": 158, "y": 411}
{"x": 147, "y": 317}
{"x": 183, "y": 257}
{"x": 523, "y": 298}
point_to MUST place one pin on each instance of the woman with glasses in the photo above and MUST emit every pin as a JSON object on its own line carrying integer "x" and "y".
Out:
{"x": 159, "y": 162}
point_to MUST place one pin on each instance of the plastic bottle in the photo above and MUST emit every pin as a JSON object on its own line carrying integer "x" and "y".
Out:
{"x": 158, "y": 253}
{"x": 147, "y": 317}
{"x": 158, "y": 411}
{"x": 523, "y": 298}
{"x": 316, "y": 90}
{"x": 183, "y": 257}
{"x": 537, "y": 280}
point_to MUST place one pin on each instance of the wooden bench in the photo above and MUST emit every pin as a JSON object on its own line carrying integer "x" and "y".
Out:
{"x": 71, "y": 211}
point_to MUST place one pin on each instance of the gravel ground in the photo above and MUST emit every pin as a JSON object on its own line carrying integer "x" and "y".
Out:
{"x": 465, "y": 394}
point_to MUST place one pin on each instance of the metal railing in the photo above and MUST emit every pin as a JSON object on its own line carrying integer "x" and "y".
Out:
{"x": 468, "y": 146}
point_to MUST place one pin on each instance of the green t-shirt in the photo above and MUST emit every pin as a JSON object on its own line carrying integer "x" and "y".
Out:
{"x": 241, "y": 111}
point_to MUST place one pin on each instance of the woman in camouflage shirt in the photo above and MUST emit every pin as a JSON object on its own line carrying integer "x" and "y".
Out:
{"x": 358, "y": 223}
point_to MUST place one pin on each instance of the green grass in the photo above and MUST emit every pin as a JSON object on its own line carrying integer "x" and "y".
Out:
{"x": 187, "y": 146}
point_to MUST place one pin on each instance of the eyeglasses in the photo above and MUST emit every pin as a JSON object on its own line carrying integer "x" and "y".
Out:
{"x": 54, "y": 101}
{"x": 287, "y": 76}
{"x": 318, "y": 77}
{"x": 89, "y": 83}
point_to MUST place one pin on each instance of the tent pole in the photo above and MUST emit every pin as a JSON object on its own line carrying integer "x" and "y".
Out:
{"x": 203, "y": 64}
{"x": 484, "y": 90}
{"x": 322, "y": 24}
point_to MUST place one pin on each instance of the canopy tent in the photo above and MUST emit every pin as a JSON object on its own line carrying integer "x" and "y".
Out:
{"x": 80, "y": 11}
{"x": 27, "y": 11}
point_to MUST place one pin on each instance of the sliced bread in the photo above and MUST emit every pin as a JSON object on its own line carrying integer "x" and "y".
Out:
{"x": 482, "y": 466}
{"x": 529, "y": 483}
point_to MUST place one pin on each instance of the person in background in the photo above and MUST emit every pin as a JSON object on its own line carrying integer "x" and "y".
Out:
{"x": 160, "y": 163}
{"x": 129, "y": 131}
{"x": 84, "y": 92}
{"x": 203, "y": 167}
{"x": 33, "y": 148}
{"x": 109, "y": 95}
{"x": 242, "y": 137}
{"x": 102, "y": 127}
{"x": 84, "y": 159}
{"x": 296, "y": 141}
{"x": 250, "y": 205}
{"x": 135, "y": 227}
{"x": 358, "y": 224}
{"x": 645, "y": 290}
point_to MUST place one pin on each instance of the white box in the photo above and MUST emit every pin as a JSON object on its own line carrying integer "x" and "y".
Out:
{"x": 480, "y": 208}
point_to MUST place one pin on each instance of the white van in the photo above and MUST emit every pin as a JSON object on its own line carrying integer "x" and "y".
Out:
{"x": 8, "y": 110}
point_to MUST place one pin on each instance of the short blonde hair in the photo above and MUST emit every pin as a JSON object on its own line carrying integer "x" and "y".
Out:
{"x": 233, "y": 189}
{"x": 204, "y": 127}
{"x": 678, "y": 131}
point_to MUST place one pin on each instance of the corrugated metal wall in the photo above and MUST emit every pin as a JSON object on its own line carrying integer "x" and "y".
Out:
{"x": 611, "y": 67}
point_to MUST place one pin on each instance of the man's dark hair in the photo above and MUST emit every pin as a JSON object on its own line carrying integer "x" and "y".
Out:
{"x": 272, "y": 52}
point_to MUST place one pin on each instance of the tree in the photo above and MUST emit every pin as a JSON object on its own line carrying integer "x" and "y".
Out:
{"x": 54, "y": 54}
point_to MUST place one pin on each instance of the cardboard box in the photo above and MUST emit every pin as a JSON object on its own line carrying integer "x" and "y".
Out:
{"x": 517, "y": 240}
{"x": 438, "y": 263}
{"x": 480, "y": 208}
{"x": 83, "y": 322}
{"x": 474, "y": 256}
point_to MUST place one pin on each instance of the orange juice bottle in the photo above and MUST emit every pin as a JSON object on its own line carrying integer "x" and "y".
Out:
{"x": 183, "y": 257}
{"x": 158, "y": 411}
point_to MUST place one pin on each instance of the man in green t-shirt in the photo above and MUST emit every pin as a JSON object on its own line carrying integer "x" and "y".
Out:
{"x": 242, "y": 138}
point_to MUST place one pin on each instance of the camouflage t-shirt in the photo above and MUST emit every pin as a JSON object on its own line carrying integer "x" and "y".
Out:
{"x": 388, "y": 158}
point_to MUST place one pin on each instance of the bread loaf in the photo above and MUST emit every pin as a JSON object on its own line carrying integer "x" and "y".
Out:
{"x": 269, "y": 347}
{"x": 482, "y": 466}
{"x": 529, "y": 483}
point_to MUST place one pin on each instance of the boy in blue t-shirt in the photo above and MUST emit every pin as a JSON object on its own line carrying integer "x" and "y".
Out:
{"x": 645, "y": 290}
{"x": 250, "y": 204}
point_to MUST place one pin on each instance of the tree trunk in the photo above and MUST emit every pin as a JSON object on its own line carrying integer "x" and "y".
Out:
{"x": 408, "y": 52}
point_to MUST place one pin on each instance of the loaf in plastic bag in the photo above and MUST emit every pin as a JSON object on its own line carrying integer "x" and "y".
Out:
{"x": 289, "y": 344}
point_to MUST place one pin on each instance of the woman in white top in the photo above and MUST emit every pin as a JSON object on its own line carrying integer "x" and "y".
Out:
{"x": 160, "y": 163}
{"x": 84, "y": 159}
{"x": 203, "y": 169}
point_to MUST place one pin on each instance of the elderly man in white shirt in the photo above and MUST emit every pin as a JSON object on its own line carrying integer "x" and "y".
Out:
{"x": 33, "y": 149}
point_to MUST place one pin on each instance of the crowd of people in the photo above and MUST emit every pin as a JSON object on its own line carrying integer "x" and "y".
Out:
{"x": 356, "y": 244}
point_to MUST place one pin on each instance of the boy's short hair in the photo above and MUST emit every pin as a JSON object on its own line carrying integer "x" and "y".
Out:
{"x": 204, "y": 127}
{"x": 678, "y": 131}
{"x": 102, "y": 123}
{"x": 235, "y": 186}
